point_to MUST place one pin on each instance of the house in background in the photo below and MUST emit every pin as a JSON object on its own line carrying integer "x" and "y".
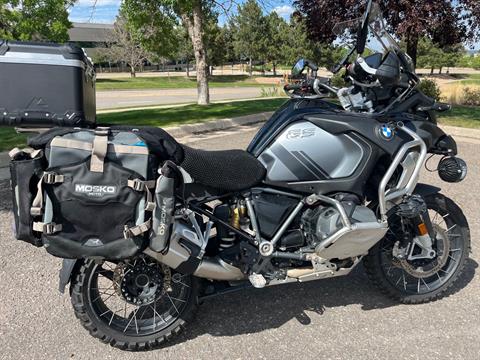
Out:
{"x": 92, "y": 37}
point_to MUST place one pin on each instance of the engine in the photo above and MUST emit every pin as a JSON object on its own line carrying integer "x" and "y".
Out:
{"x": 323, "y": 221}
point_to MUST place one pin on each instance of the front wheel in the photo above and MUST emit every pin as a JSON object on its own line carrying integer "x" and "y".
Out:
{"x": 133, "y": 305}
{"x": 420, "y": 281}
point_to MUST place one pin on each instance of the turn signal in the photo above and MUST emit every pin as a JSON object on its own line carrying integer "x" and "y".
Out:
{"x": 422, "y": 229}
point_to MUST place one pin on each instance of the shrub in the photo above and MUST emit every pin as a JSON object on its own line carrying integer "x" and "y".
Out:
{"x": 471, "y": 96}
{"x": 269, "y": 92}
{"x": 338, "y": 81}
{"x": 430, "y": 88}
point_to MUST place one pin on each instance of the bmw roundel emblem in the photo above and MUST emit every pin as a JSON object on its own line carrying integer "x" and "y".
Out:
{"x": 386, "y": 132}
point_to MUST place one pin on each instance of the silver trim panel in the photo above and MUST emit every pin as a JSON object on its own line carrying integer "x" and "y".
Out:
{"x": 40, "y": 59}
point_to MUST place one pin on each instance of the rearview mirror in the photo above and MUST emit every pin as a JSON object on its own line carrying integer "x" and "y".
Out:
{"x": 299, "y": 67}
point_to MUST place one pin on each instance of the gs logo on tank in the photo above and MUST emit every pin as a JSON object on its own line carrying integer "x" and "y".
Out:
{"x": 300, "y": 133}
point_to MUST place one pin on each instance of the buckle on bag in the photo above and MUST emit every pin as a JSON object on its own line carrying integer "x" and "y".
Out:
{"x": 35, "y": 211}
{"x": 51, "y": 228}
{"x": 137, "y": 185}
{"x": 47, "y": 229}
{"x": 51, "y": 178}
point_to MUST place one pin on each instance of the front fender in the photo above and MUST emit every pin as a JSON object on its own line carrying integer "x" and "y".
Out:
{"x": 425, "y": 189}
{"x": 69, "y": 268}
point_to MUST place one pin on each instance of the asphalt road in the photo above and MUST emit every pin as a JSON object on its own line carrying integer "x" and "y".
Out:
{"x": 342, "y": 318}
{"x": 135, "y": 98}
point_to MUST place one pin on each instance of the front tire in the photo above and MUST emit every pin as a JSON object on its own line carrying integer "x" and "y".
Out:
{"x": 135, "y": 305}
{"x": 402, "y": 282}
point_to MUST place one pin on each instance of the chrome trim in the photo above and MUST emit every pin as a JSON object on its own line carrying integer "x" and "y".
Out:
{"x": 217, "y": 269}
{"x": 253, "y": 219}
{"x": 383, "y": 197}
{"x": 40, "y": 59}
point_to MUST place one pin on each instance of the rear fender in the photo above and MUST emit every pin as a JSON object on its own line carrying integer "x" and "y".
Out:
{"x": 69, "y": 269}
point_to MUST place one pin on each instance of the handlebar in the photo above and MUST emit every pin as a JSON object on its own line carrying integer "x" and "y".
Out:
{"x": 313, "y": 87}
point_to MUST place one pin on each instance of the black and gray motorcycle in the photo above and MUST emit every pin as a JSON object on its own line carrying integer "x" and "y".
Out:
{"x": 323, "y": 186}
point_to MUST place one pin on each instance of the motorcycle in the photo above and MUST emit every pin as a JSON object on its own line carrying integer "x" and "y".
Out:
{"x": 324, "y": 185}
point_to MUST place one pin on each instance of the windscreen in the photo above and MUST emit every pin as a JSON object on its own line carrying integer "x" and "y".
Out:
{"x": 378, "y": 39}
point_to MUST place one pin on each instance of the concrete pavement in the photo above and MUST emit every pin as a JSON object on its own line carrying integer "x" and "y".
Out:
{"x": 343, "y": 318}
{"x": 134, "y": 98}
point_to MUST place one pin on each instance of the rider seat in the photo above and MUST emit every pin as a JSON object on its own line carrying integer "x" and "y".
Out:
{"x": 227, "y": 170}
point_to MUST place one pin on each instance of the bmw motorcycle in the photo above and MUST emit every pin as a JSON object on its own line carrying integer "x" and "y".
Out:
{"x": 324, "y": 185}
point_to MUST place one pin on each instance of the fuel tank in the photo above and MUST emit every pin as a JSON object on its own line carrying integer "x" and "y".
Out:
{"x": 311, "y": 146}
{"x": 315, "y": 146}
{"x": 305, "y": 152}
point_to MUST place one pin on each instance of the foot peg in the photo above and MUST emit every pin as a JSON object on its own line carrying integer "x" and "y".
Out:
{"x": 257, "y": 281}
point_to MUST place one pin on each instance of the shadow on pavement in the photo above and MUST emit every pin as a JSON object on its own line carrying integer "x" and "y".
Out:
{"x": 5, "y": 195}
{"x": 256, "y": 310}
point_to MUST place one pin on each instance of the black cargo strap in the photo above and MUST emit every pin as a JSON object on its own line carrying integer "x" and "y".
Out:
{"x": 140, "y": 185}
{"x": 99, "y": 150}
{"x": 138, "y": 230}
{"x": 49, "y": 178}
{"x": 48, "y": 228}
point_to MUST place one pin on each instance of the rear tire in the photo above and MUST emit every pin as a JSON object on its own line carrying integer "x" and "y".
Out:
{"x": 390, "y": 278}
{"x": 107, "y": 325}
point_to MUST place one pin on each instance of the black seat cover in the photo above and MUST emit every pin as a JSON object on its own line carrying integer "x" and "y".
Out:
{"x": 229, "y": 170}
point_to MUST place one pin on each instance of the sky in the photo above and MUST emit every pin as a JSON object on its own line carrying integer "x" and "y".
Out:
{"x": 106, "y": 10}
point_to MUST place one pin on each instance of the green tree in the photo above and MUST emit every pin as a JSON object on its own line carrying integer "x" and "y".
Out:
{"x": 35, "y": 19}
{"x": 159, "y": 35}
{"x": 276, "y": 39}
{"x": 250, "y": 31}
{"x": 125, "y": 44}
{"x": 185, "y": 48}
{"x": 430, "y": 55}
{"x": 192, "y": 14}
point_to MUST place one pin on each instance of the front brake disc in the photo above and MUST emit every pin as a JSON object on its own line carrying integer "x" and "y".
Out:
{"x": 435, "y": 265}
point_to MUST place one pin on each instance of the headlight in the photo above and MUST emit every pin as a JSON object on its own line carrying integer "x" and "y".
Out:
{"x": 452, "y": 169}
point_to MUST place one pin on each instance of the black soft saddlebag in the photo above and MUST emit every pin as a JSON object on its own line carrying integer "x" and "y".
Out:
{"x": 45, "y": 85}
{"x": 95, "y": 198}
{"x": 94, "y": 214}
{"x": 26, "y": 168}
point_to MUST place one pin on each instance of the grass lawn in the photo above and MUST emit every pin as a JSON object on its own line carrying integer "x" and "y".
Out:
{"x": 463, "y": 116}
{"x": 173, "y": 82}
{"x": 468, "y": 79}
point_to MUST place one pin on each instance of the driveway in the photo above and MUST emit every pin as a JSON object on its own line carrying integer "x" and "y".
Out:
{"x": 343, "y": 318}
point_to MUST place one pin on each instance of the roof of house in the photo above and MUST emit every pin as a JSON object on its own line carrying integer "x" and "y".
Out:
{"x": 90, "y": 32}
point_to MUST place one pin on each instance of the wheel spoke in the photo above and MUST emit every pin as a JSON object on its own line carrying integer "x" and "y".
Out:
{"x": 134, "y": 314}
{"x": 428, "y": 287}
{"x": 178, "y": 312}
{"x": 451, "y": 228}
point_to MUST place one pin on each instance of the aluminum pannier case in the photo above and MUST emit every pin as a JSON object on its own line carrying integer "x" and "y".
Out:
{"x": 46, "y": 85}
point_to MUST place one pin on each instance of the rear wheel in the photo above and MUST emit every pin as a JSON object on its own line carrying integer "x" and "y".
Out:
{"x": 420, "y": 281}
{"x": 133, "y": 305}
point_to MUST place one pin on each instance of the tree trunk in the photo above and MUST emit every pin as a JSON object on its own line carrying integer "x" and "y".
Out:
{"x": 431, "y": 70}
{"x": 412, "y": 47}
{"x": 132, "y": 71}
{"x": 274, "y": 68}
{"x": 440, "y": 70}
{"x": 250, "y": 67}
{"x": 194, "y": 25}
